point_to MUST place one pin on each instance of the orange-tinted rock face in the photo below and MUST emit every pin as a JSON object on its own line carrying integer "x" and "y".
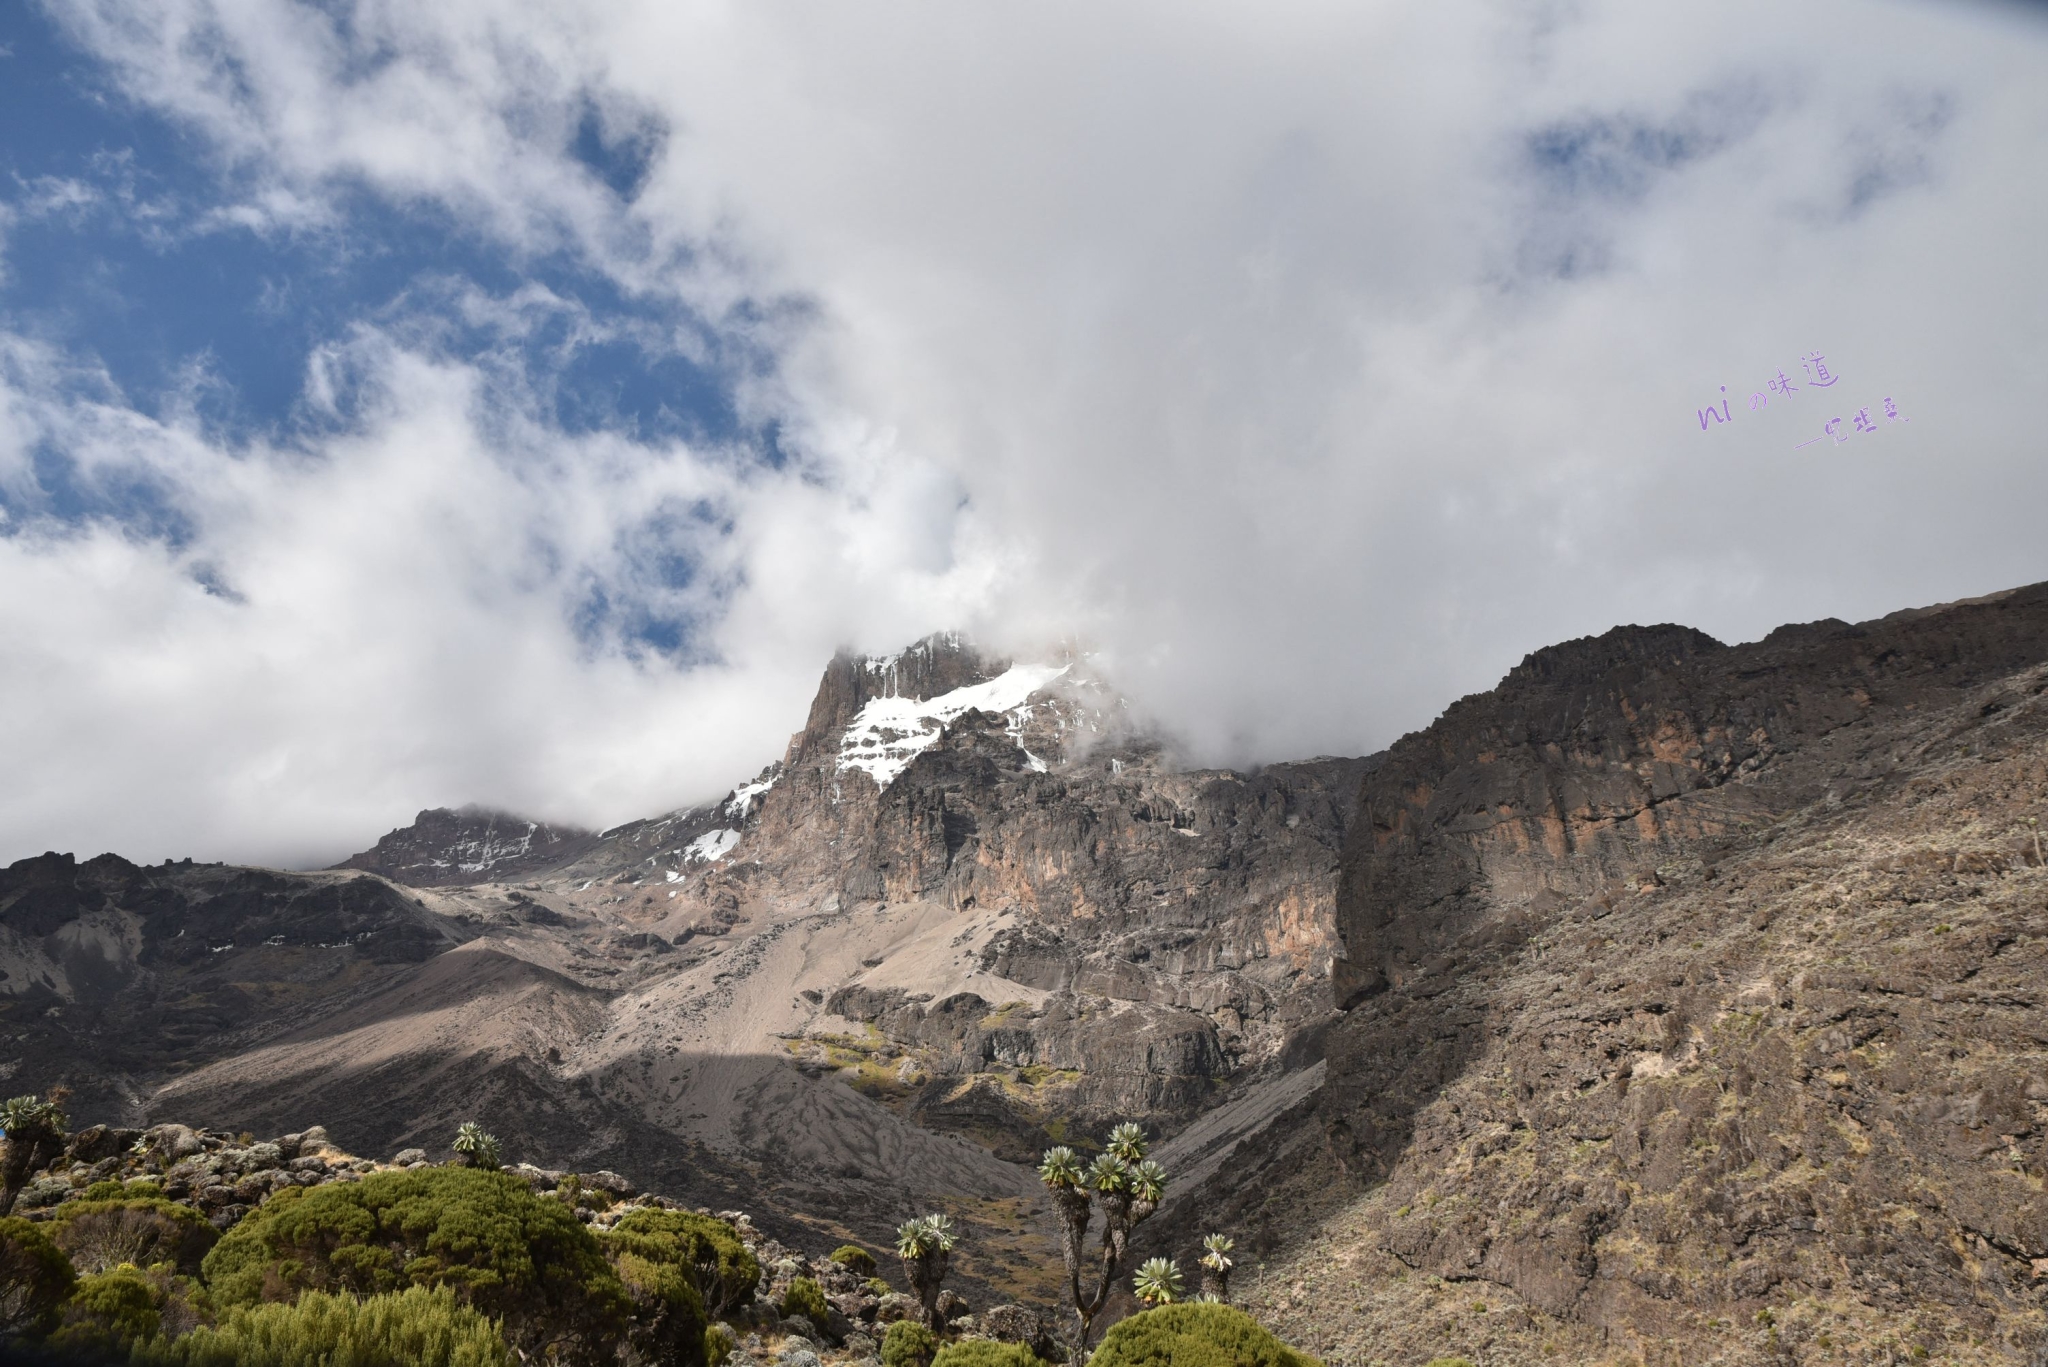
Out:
{"x": 1599, "y": 759}
{"x": 1683, "y": 981}
{"x": 1203, "y": 903}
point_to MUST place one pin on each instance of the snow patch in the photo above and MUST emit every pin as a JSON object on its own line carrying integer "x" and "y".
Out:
{"x": 888, "y": 733}
{"x": 742, "y": 800}
{"x": 711, "y": 846}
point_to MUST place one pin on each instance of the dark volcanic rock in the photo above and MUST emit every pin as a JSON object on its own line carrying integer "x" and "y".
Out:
{"x": 444, "y": 848}
{"x": 115, "y": 972}
{"x": 1694, "y": 1010}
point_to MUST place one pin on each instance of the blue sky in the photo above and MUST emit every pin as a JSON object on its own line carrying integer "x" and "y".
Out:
{"x": 122, "y": 257}
{"x": 517, "y": 404}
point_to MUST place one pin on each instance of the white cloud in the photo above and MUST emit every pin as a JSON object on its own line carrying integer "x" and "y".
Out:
{"x": 1317, "y": 360}
{"x": 386, "y": 619}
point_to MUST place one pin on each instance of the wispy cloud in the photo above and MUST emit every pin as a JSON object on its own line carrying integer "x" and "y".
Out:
{"x": 1316, "y": 361}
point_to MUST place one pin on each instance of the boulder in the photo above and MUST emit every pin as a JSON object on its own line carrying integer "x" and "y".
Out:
{"x": 252, "y": 1189}
{"x": 405, "y": 1158}
{"x": 99, "y": 1143}
{"x": 1020, "y": 1324}
{"x": 607, "y": 1181}
{"x": 173, "y": 1142}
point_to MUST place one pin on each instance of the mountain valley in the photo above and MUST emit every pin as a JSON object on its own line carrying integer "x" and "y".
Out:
{"x": 1671, "y": 1001}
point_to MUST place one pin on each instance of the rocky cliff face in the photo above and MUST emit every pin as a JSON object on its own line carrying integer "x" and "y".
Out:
{"x": 1670, "y": 1002}
{"x": 970, "y": 902}
{"x": 1694, "y": 1012}
{"x": 113, "y": 974}
{"x": 444, "y": 848}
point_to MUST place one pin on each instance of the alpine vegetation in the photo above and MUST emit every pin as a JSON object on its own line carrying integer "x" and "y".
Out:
{"x": 1125, "y": 1187}
{"x": 1158, "y": 1282}
{"x": 34, "y": 1134}
{"x": 1216, "y": 1266}
{"x": 926, "y": 1248}
{"x": 475, "y": 1147}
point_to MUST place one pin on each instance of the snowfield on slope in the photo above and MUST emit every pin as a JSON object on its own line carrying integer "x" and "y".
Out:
{"x": 888, "y": 733}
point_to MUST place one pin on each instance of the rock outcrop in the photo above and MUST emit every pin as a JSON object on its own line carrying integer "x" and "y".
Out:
{"x": 1694, "y": 1012}
{"x": 223, "y": 1177}
{"x": 971, "y": 901}
{"x": 1670, "y": 1001}
{"x": 444, "y": 848}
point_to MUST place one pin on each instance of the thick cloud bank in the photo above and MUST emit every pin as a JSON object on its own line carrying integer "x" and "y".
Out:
{"x": 1314, "y": 361}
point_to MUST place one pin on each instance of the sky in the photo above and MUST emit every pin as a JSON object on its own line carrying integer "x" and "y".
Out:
{"x": 414, "y": 405}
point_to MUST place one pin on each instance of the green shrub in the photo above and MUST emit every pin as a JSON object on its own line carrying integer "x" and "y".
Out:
{"x": 110, "y": 1311}
{"x": 855, "y": 1259}
{"x": 572, "y": 1190}
{"x": 718, "y": 1345}
{"x": 806, "y": 1298}
{"x": 1194, "y": 1334}
{"x": 134, "y": 1189}
{"x": 35, "y": 1278}
{"x": 983, "y": 1353}
{"x": 1449, "y": 1362}
{"x": 99, "y": 1236}
{"x": 524, "y": 1261}
{"x": 877, "y": 1287}
{"x": 668, "y": 1315}
{"x": 724, "y": 1272}
{"x": 417, "y": 1327}
{"x": 908, "y": 1344}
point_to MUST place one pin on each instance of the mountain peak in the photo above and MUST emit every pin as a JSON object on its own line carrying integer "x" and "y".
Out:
{"x": 444, "y": 847}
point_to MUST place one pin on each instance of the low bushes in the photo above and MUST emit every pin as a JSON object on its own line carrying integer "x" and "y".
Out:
{"x": 984, "y": 1353}
{"x": 724, "y": 1272}
{"x": 908, "y": 1344}
{"x": 806, "y": 1298}
{"x": 100, "y": 1235}
{"x": 668, "y": 1324}
{"x": 1194, "y": 1334}
{"x": 417, "y": 1327}
{"x": 519, "y": 1259}
{"x": 35, "y": 1278}
{"x": 111, "y": 1311}
{"x": 854, "y": 1259}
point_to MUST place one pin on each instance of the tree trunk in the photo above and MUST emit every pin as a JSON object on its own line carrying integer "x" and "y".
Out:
{"x": 930, "y": 1277}
{"x": 17, "y": 1160}
{"x": 1077, "y": 1355}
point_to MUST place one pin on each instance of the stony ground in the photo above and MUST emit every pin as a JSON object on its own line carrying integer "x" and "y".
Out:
{"x": 1783, "y": 1099}
{"x": 224, "y": 1177}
